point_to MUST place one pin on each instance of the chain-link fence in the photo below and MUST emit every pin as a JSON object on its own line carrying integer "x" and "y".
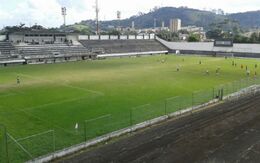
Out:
{"x": 24, "y": 149}
{"x": 3, "y": 145}
{"x": 97, "y": 126}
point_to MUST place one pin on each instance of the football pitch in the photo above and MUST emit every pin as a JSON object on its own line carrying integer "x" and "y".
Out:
{"x": 60, "y": 105}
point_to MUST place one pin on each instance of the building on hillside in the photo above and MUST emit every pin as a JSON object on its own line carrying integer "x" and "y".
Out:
{"x": 175, "y": 25}
{"x": 195, "y": 30}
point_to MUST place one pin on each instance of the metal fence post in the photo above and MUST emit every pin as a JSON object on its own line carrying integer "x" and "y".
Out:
{"x": 5, "y": 143}
{"x": 131, "y": 117}
{"x": 192, "y": 100}
{"x": 213, "y": 93}
{"x": 53, "y": 141}
{"x": 85, "y": 131}
{"x": 165, "y": 107}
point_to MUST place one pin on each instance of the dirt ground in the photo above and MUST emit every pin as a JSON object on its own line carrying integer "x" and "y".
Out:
{"x": 227, "y": 132}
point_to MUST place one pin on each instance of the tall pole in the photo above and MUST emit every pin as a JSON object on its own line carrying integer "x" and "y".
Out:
{"x": 64, "y": 13}
{"x": 119, "y": 18}
{"x": 97, "y": 17}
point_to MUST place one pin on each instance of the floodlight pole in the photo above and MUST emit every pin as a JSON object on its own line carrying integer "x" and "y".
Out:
{"x": 64, "y": 13}
{"x": 97, "y": 17}
{"x": 119, "y": 18}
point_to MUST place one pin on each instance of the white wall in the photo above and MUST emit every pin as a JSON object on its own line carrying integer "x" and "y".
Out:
{"x": 73, "y": 37}
{"x": 113, "y": 37}
{"x": 16, "y": 38}
{"x": 140, "y": 37}
{"x": 152, "y": 36}
{"x": 146, "y": 37}
{"x": 104, "y": 37}
{"x": 94, "y": 37}
{"x": 2, "y": 37}
{"x": 83, "y": 37}
{"x": 123, "y": 37}
{"x": 131, "y": 37}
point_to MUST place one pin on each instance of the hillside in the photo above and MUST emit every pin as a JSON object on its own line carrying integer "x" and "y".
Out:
{"x": 187, "y": 15}
{"x": 247, "y": 19}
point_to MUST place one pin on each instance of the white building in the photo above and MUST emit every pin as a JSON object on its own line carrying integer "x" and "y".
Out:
{"x": 193, "y": 29}
{"x": 175, "y": 25}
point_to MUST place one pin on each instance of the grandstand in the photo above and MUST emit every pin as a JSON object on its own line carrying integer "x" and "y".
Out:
{"x": 123, "y": 46}
{"x": 6, "y": 49}
{"x": 52, "y": 53}
{"x": 37, "y": 47}
{"x": 8, "y": 54}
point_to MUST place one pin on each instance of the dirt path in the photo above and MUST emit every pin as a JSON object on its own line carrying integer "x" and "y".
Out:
{"x": 228, "y": 132}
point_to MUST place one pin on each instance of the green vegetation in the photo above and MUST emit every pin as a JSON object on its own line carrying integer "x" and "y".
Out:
{"x": 114, "y": 92}
{"x": 194, "y": 38}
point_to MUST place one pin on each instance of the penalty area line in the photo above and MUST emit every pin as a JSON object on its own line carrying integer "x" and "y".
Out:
{"x": 65, "y": 85}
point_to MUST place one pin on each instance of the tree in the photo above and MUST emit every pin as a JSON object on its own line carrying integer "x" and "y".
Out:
{"x": 194, "y": 38}
{"x": 240, "y": 39}
{"x": 114, "y": 32}
{"x": 168, "y": 36}
{"x": 254, "y": 37}
{"x": 215, "y": 34}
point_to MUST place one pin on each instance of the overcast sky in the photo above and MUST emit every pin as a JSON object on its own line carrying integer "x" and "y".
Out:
{"x": 48, "y": 12}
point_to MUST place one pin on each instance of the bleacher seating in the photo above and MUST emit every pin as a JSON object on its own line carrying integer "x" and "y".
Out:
{"x": 122, "y": 46}
{"x": 50, "y": 50}
{"x": 6, "y": 49}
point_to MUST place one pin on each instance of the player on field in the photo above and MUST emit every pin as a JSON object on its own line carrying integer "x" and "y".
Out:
{"x": 178, "y": 68}
{"x": 18, "y": 80}
{"x": 207, "y": 72}
{"x": 248, "y": 72}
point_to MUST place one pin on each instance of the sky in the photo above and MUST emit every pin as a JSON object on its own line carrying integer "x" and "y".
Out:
{"x": 48, "y": 12}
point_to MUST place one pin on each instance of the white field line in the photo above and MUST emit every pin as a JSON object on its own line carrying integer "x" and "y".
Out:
{"x": 8, "y": 95}
{"x": 28, "y": 153}
{"x": 84, "y": 89}
{"x": 25, "y": 110}
{"x": 54, "y": 103}
{"x": 46, "y": 121}
{"x": 63, "y": 84}
{"x": 101, "y": 117}
{"x": 43, "y": 133}
{"x": 47, "y": 104}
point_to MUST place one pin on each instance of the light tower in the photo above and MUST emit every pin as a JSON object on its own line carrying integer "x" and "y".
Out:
{"x": 64, "y": 13}
{"x": 118, "y": 13}
{"x": 97, "y": 17}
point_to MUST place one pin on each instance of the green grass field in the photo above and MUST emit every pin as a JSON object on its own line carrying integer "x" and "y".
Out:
{"x": 123, "y": 91}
